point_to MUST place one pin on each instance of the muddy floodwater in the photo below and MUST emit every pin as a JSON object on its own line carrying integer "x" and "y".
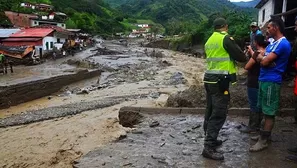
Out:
{"x": 178, "y": 142}
{"x": 70, "y": 128}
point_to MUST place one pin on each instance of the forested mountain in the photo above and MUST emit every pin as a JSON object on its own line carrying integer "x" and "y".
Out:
{"x": 188, "y": 16}
{"x": 249, "y": 4}
{"x": 90, "y": 15}
{"x": 116, "y": 3}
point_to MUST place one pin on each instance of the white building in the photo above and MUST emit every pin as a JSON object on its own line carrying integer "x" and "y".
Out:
{"x": 44, "y": 39}
{"x": 46, "y": 21}
{"x": 143, "y": 25}
{"x": 269, "y": 8}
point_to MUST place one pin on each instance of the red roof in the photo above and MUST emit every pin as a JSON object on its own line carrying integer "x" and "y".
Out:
{"x": 21, "y": 39}
{"x": 33, "y": 32}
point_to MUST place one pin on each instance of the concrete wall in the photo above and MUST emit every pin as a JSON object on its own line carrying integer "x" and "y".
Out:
{"x": 48, "y": 40}
{"x": 24, "y": 92}
{"x": 54, "y": 41}
{"x": 269, "y": 10}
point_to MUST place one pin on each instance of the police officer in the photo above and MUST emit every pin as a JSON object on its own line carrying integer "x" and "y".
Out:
{"x": 221, "y": 54}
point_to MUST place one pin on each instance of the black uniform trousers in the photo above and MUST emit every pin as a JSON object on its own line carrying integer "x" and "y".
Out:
{"x": 216, "y": 112}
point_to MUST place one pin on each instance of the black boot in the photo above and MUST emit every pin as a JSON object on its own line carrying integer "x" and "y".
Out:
{"x": 211, "y": 153}
{"x": 251, "y": 128}
{"x": 219, "y": 143}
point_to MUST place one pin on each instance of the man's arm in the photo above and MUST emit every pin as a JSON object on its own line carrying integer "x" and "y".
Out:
{"x": 233, "y": 49}
{"x": 265, "y": 61}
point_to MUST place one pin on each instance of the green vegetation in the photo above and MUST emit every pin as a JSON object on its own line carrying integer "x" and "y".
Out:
{"x": 93, "y": 16}
{"x": 191, "y": 18}
{"x": 116, "y": 3}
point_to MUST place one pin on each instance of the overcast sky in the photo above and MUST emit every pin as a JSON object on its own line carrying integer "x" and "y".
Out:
{"x": 239, "y": 0}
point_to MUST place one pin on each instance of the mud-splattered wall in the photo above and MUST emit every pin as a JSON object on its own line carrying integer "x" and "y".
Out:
{"x": 24, "y": 92}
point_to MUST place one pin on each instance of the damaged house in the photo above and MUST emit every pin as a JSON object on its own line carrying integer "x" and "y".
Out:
{"x": 44, "y": 39}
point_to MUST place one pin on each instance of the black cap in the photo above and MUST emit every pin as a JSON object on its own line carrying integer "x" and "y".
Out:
{"x": 219, "y": 23}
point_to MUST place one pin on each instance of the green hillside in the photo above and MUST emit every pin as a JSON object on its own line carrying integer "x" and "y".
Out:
{"x": 189, "y": 16}
{"x": 116, "y": 3}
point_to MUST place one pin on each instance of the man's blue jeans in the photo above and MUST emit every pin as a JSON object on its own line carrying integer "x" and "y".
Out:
{"x": 253, "y": 99}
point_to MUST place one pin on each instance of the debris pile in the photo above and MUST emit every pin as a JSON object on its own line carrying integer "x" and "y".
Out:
{"x": 105, "y": 51}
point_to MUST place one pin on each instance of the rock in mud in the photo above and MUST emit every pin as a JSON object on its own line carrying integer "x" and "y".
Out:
{"x": 122, "y": 137}
{"x": 196, "y": 126}
{"x": 75, "y": 90}
{"x": 165, "y": 63}
{"x": 84, "y": 91}
{"x": 129, "y": 118}
{"x": 154, "y": 95}
{"x": 177, "y": 78}
{"x": 157, "y": 54}
{"x": 154, "y": 124}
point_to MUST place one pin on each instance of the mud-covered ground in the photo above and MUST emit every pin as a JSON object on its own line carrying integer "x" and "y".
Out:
{"x": 178, "y": 142}
{"x": 83, "y": 116}
{"x": 195, "y": 96}
{"x": 68, "y": 124}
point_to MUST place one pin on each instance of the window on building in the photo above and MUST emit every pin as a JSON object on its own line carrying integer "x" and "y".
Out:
{"x": 58, "y": 40}
{"x": 62, "y": 25}
{"x": 46, "y": 45}
{"x": 52, "y": 44}
{"x": 263, "y": 15}
{"x": 35, "y": 23}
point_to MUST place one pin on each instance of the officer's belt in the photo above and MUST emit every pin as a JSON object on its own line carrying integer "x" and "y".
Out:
{"x": 217, "y": 72}
{"x": 218, "y": 59}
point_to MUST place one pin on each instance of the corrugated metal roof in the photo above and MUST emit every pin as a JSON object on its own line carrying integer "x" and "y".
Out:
{"x": 4, "y": 33}
{"x": 33, "y": 32}
{"x": 21, "y": 39}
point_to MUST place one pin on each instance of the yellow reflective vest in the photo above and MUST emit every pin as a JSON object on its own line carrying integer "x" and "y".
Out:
{"x": 217, "y": 58}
